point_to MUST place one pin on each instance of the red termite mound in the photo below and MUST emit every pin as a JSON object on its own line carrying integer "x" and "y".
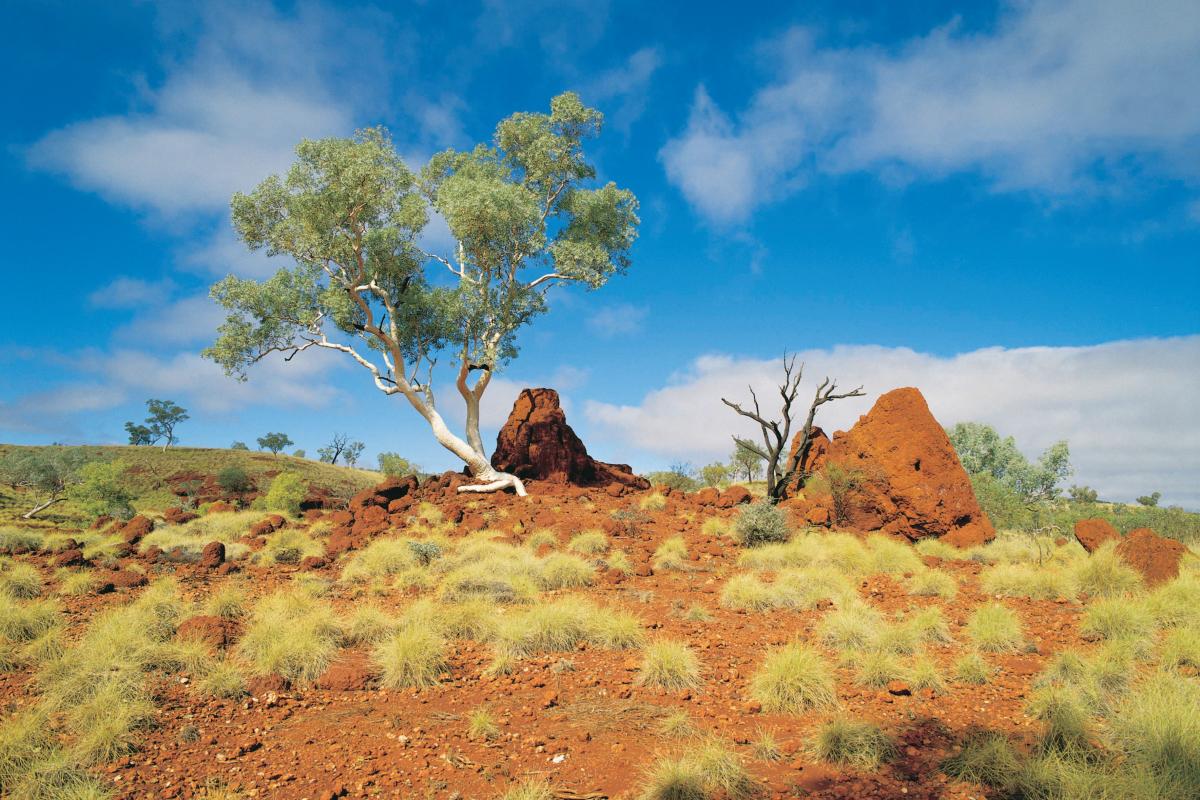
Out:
{"x": 898, "y": 473}
{"x": 536, "y": 442}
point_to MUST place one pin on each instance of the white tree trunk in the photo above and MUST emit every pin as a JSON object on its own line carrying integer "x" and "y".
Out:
{"x": 473, "y": 456}
{"x": 40, "y": 507}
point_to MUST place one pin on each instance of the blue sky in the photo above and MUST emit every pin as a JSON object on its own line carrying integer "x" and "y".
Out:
{"x": 997, "y": 203}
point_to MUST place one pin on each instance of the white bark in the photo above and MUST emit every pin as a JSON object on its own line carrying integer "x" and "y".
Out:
{"x": 40, "y": 507}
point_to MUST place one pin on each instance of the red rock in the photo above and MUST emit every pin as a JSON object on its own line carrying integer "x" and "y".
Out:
{"x": 70, "y": 558}
{"x": 341, "y": 518}
{"x": 371, "y": 515}
{"x": 818, "y": 515}
{"x": 909, "y": 480}
{"x": 1155, "y": 557}
{"x": 536, "y": 442}
{"x": 614, "y": 490}
{"x": 178, "y": 516}
{"x": 121, "y": 578}
{"x": 267, "y": 525}
{"x": 1092, "y": 533}
{"x": 707, "y": 496}
{"x": 350, "y": 673}
{"x": 734, "y": 496}
{"x": 137, "y": 527}
{"x": 220, "y": 507}
{"x": 818, "y": 448}
{"x": 214, "y": 631}
{"x": 899, "y": 688}
{"x": 311, "y": 563}
{"x": 212, "y": 556}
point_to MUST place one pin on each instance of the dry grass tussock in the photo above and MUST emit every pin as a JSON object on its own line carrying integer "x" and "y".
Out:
{"x": 191, "y": 537}
{"x": 799, "y": 589}
{"x": 708, "y": 769}
{"x": 848, "y": 554}
{"x": 291, "y": 634}
{"x": 561, "y": 625}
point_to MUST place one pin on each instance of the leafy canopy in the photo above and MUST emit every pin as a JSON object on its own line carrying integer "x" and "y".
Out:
{"x": 350, "y": 214}
{"x": 275, "y": 442}
{"x": 983, "y": 451}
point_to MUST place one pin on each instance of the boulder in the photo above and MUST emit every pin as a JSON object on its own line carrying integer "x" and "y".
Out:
{"x": 70, "y": 558}
{"x": 818, "y": 449}
{"x": 536, "y": 442}
{"x": 212, "y": 556}
{"x": 137, "y": 527}
{"x": 351, "y": 673}
{"x": 900, "y": 475}
{"x": 734, "y": 496}
{"x": 1155, "y": 557}
{"x": 214, "y": 631}
{"x": 1092, "y": 533}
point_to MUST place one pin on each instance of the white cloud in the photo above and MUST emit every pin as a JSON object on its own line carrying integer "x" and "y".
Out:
{"x": 126, "y": 292}
{"x": 622, "y": 319}
{"x": 1127, "y": 408}
{"x": 1060, "y": 97}
{"x": 182, "y": 322}
{"x": 626, "y": 87}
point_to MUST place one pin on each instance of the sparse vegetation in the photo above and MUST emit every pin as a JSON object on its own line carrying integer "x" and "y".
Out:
{"x": 291, "y": 634}
{"x": 669, "y": 665}
{"x": 995, "y": 629}
{"x": 412, "y": 657}
{"x": 856, "y": 743}
{"x": 793, "y": 678}
{"x": 761, "y": 523}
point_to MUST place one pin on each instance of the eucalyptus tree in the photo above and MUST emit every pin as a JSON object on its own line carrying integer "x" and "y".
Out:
{"x": 525, "y": 215}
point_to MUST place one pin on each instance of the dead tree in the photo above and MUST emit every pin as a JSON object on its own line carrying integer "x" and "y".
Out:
{"x": 776, "y": 434}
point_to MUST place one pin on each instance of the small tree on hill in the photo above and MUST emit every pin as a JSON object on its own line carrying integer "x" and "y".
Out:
{"x": 745, "y": 461}
{"x": 353, "y": 453}
{"x": 46, "y": 474}
{"x": 275, "y": 442}
{"x": 162, "y": 418}
{"x": 234, "y": 480}
{"x": 349, "y": 213}
{"x": 238, "y": 446}
{"x": 983, "y": 451}
{"x": 776, "y": 433}
{"x": 1083, "y": 494}
{"x": 395, "y": 465}
{"x": 714, "y": 474}
{"x": 340, "y": 447}
{"x": 101, "y": 490}
{"x": 1150, "y": 500}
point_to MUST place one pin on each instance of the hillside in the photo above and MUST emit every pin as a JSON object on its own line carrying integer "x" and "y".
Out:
{"x": 151, "y": 472}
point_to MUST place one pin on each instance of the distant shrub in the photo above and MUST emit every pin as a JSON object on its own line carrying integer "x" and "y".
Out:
{"x": 760, "y": 523}
{"x": 679, "y": 477}
{"x": 1083, "y": 494}
{"x": 1150, "y": 500}
{"x": 233, "y": 479}
{"x": 395, "y": 465}
{"x": 238, "y": 446}
{"x": 101, "y": 491}
{"x": 286, "y": 493}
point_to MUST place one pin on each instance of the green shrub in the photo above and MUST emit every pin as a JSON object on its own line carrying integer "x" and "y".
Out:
{"x": 793, "y": 678}
{"x": 761, "y": 523}
{"x": 412, "y": 657}
{"x": 670, "y": 665}
{"x": 856, "y": 743}
{"x": 995, "y": 629}
{"x": 234, "y": 480}
{"x": 286, "y": 493}
{"x": 101, "y": 490}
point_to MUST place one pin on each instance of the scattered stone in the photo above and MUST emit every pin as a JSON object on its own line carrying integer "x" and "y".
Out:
{"x": 212, "y": 556}
{"x": 734, "y": 496}
{"x": 70, "y": 558}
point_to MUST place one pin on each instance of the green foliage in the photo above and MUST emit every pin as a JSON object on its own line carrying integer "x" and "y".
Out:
{"x": 238, "y": 446}
{"x": 349, "y": 214}
{"x": 986, "y": 758}
{"x": 47, "y": 473}
{"x": 746, "y": 462}
{"x": 680, "y": 477}
{"x": 843, "y": 483}
{"x": 291, "y": 635}
{"x": 275, "y": 442}
{"x": 792, "y": 679}
{"x": 101, "y": 490}
{"x": 1150, "y": 500}
{"x": 162, "y": 417}
{"x": 761, "y": 523}
{"x": 856, "y": 743}
{"x": 395, "y": 465}
{"x": 1083, "y": 494}
{"x": 235, "y": 480}
{"x": 1001, "y": 502}
{"x": 982, "y": 451}
{"x": 286, "y": 493}
{"x": 995, "y": 629}
{"x": 714, "y": 474}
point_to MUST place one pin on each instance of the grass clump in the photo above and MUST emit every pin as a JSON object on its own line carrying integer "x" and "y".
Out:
{"x": 412, "y": 657}
{"x": 878, "y": 668}
{"x": 761, "y": 523}
{"x": 1181, "y": 648}
{"x": 368, "y": 625}
{"x": 19, "y": 580}
{"x": 672, "y": 554}
{"x": 382, "y": 558}
{"x": 973, "y": 669}
{"x": 986, "y": 758}
{"x": 669, "y": 665}
{"x": 932, "y": 583}
{"x": 289, "y": 546}
{"x": 793, "y": 678}
{"x": 1176, "y": 603}
{"x": 1027, "y": 580}
{"x": 889, "y": 556}
{"x": 853, "y": 626}
{"x": 23, "y": 622}
{"x": 708, "y": 771}
{"x": 227, "y": 602}
{"x": 589, "y": 543}
{"x": 565, "y": 571}
{"x": 223, "y": 680}
{"x": 1103, "y": 574}
{"x": 677, "y": 725}
{"x": 76, "y": 584}
{"x": 654, "y": 501}
{"x": 530, "y": 789}
{"x": 561, "y": 625}
{"x": 855, "y": 743}
{"x": 1157, "y": 727}
{"x": 1116, "y": 618}
{"x": 716, "y": 527}
{"x": 291, "y": 634}
{"x": 481, "y": 725}
{"x": 995, "y": 629}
